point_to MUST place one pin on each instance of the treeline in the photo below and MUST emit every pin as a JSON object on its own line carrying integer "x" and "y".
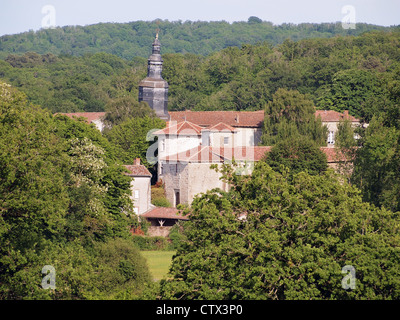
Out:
{"x": 355, "y": 73}
{"x": 128, "y": 40}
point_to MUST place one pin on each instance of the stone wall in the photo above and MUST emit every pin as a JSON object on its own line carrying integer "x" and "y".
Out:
{"x": 154, "y": 231}
{"x": 200, "y": 179}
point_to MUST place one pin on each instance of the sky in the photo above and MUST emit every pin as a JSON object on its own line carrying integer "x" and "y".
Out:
{"x": 18, "y": 16}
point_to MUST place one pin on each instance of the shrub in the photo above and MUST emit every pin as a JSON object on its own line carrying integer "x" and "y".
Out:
{"x": 123, "y": 271}
{"x": 152, "y": 243}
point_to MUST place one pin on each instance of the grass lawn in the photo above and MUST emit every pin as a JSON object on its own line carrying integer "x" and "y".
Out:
{"x": 159, "y": 262}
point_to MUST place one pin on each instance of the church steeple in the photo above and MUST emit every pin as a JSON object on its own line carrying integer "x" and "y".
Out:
{"x": 154, "y": 89}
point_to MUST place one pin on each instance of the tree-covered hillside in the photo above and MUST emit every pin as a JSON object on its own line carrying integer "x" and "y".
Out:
{"x": 355, "y": 73}
{"x": 128, "y": 40}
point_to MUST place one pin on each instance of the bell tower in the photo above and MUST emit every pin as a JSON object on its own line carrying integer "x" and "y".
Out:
{"x": 154, "y": 89}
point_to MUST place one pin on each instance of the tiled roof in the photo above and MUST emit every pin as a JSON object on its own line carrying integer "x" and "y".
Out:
{"x": 90, "y": 116}
{"x": 221, "y": 127}
{"x": 252, "y": 119}
{"x": 334, "y": 116}
{"x": 181, "y": 128}
{"x": 137, "y": 170}
{"x": 219, "y": 154}
{"x": 333, "y": 155}
{"x": 165, "y": 213}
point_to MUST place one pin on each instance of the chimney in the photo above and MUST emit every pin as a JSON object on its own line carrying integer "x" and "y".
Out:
{"x": 346, "y": 113}
{"x": 137, "y": 162}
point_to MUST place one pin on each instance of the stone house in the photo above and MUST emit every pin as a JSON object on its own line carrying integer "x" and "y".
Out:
{"x": 188, "y": 173}
{"x": 161, "y": 219}
{"x": 187, "y": 149}
{"x": 140, "y": 186}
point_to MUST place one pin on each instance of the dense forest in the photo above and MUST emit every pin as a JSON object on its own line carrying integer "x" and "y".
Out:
{"x": 357, "y": 73}
{"x": 129, "y": 40}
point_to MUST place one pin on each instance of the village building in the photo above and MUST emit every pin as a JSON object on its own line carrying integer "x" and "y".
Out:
{"x": 193, "y": 140}
{"x": 140, "y": 186}
{"x": 161, "y": 219}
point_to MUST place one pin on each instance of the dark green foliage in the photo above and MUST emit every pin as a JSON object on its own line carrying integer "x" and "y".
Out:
{"x": 152, "y": 243}
{"x": 357, "y": 73}
{"x": 291, "y": 115}
{"x": 128, "y": 40}
{"x": 123, "y": 272}
{"x": 377, "y": 163}
{"x": 62, "y": 194}
{"x": 297, "y": 155}
{"x": 123, "y": 108}
{"x": 158, "y": 197}
{"x": 133, "y": 137}
{"x": 296, "y": 237}
{"x": 353, "y": 90}
{"x": 71, "y": 84}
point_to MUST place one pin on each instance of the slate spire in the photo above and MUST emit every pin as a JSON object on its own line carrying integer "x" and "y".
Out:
{"x": 154, "y": 89}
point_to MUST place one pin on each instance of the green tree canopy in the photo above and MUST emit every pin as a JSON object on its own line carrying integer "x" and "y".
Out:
{"x": 297, "y": 154}
{"x": 291, "y": 114}
{"x": 62, "y": 194}
{"x": 377, "y": 163}
{"x": 133, "y": 137}
{"x": 275, "y": 238}
{"x": 120, "y": 109}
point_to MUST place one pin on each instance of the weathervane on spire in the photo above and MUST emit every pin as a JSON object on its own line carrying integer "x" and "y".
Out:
{"x": 158, "y": 29}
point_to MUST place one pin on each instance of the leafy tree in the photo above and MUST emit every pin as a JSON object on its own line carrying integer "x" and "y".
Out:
{"x": 121, "y": 109}
{"x": 61, "y": 192}
{"x": 346, "y": 147}
{"x": 377, "y": 163}
{"x": 254, "y": 19}
{"x": 297, "y": 154}
{"x": 351, "y": 90}
{"x": 291, "y": 114}
{"x": 123, "y": 272}
{"x": 132, "y": 138}
{"x": 296, "y": 237}
{"x": 32, "y": 190}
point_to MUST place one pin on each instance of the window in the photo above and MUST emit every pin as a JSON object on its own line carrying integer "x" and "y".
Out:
{"x": 331, "y": 136}
{"x": 136, "y": 194}
{"x": 177, "y": 198}
{"x": 226, "y": 140}
{"x": 162, "y": 147}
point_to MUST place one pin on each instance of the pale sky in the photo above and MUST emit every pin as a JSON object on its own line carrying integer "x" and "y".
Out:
{"x": 22, "y": 15}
